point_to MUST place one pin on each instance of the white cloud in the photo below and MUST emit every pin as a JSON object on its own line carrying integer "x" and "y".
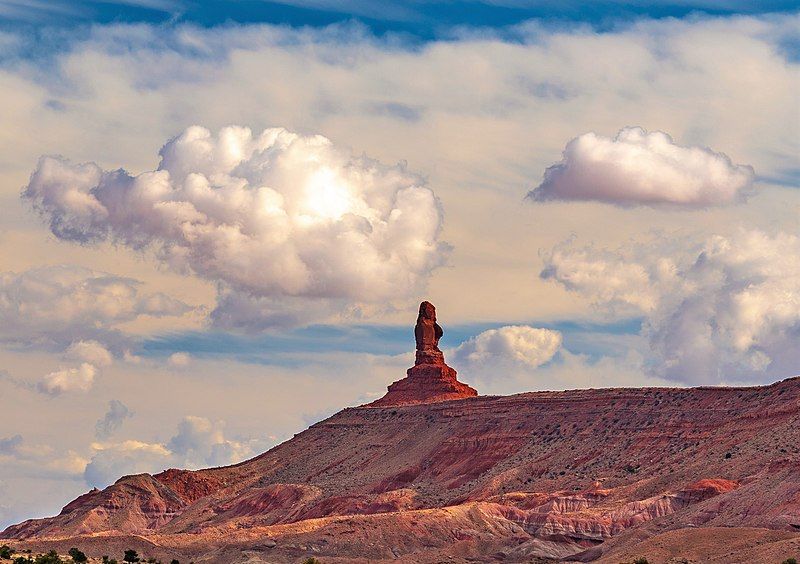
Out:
{"x": 200, "y": 443}
{"x": 179, "y": 359}
{"x": 91, "y": 352}
{"x": 78, "y": 379}
{"x": 39, "y": 460}
{"x": 641, "y": 168}
{"x": 112, "y": 461}
{"x": 197, "y": 443}
{"x": 728, "y": 308}
{"x": 59, "y": 303}
{"x": 92, "y": 355}
{"x": 277, "y": 214}
{"x": 529, "y": 346}
{"x": 116, "y": 415}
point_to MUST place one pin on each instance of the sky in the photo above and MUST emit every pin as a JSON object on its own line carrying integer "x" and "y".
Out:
{"x": 217, "y": 219}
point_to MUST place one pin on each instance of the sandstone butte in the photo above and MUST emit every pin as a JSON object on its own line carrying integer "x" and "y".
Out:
{"x": 434, "y": 473}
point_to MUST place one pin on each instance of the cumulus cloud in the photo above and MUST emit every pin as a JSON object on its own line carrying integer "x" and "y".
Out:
{"x": 92, "y": 356}
{"x": 275, "y": 214}
{"x": 197, "y": 443}
{"x": 78, "y": 379}
{"x": 179, "y": 359}
{"x": 116, "y": 415}
{"x": 112, "y": 461}
{"x": 728, "y": 308}
{"x": 640, "y": 168}
{"x": 91, "y": 352}
{"x": 56, "y": 304}
{"x": 39, "y": 460}
{"x": 522, "y": 344}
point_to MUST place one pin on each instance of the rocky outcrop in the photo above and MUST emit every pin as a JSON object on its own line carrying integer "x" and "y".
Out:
{"x": 133, "y": 504}
{"x": 430, "y": 379}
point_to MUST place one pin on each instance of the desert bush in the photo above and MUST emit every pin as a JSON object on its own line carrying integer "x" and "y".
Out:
{"x": 5, "y": 552}
{"x": 790, "y": 561}
{"x": 77, "y": 555}
{"x": 641, "y": 560}
{"x": 311, "y": 560}
{"x": 51, "y": 557}
{"x": 131, "y": 556}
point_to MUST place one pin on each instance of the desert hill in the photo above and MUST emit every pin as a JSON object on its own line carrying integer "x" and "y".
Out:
{"x": 583, "y": 474}
{"x": 707, "y": 474}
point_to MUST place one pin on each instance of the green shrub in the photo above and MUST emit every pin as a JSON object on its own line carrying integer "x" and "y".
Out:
{"x": 790, "y": 561}
{"x": 311, "y": 560}
{"x": 23, "y": 560}
{"x": 6, "y": 552}
{"x": 641, "y": 560}
{"x": 175, "y": 561}
{"x": 131, "y": 556}
{"x": 77, "y": 555}
{"x": 51, "y": 557}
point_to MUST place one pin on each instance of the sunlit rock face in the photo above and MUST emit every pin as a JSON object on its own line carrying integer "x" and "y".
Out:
{"x": 430, "y": 379}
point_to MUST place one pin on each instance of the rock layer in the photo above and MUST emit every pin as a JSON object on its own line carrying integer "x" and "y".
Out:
{"x": 584, "y": 475}
{"x": 430, "y": 379}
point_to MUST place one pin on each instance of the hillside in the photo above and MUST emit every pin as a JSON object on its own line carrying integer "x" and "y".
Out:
{"x": 589, "y": 475}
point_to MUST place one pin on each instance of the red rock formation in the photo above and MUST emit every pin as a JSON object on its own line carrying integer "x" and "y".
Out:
{"x": 584, "y": 475}
{"x": 430, "y": 379}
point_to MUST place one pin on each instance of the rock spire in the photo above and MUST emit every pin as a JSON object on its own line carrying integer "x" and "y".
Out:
{"x": 430, "y": 379}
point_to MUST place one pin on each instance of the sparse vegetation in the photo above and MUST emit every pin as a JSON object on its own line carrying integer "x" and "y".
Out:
{"x": 641, "y": 560}
{"x": 790, "y": 561}
{"x": 77, "y": 555}
{"x": 312, "y": 560}
{"x": 51, "y": 557}
{"x": 131, "y": 556}
{"x": 6, "y": 552}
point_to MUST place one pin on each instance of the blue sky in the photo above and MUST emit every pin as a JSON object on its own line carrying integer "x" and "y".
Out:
{"x": 423, "y": 19}
{"x": 225, "y": 214}
{"x": 284, "y": 347}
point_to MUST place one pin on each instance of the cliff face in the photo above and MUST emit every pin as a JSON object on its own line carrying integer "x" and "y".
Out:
{"x": 582, "y": 474}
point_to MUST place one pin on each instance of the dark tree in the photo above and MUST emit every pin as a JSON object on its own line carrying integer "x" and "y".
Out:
{"x": 77, "y": 555}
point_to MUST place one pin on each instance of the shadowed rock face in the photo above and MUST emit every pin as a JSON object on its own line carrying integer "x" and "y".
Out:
{"x": 427, "y": 334}
{"x": 430, "y": 379}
